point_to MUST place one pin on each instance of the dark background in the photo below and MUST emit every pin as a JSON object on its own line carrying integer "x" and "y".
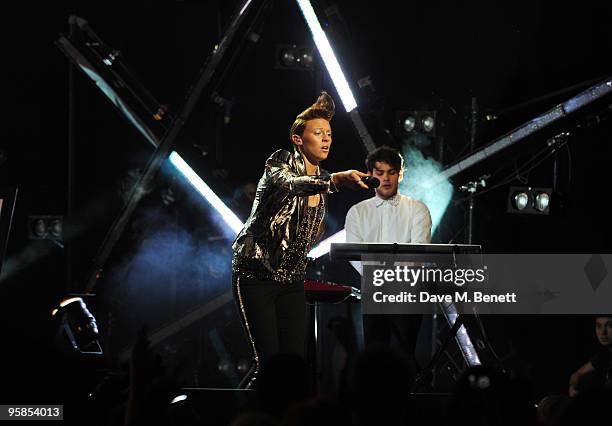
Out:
{"x": 173, "y": 259}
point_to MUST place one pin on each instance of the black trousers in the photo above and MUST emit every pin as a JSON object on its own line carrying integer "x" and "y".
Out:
{"x": 274, "y": 318}
{"x": 379, "y": 329}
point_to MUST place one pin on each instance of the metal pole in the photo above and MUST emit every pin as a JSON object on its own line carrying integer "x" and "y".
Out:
{"x": 317, "y": 343}
{"x": 473, "y": 130}
{"x": 70, "y": 159}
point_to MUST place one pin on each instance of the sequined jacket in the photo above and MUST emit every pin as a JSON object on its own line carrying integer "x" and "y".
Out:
{"x": 280, "y": 201}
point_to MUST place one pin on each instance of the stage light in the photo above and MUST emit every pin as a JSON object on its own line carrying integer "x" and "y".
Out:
{"x": 542, "y": 201}
{"x": 228, "y": 216}
{"x": 225, "y": 366}
{"x": 79, "y": 325}
{"x": 467, "y": 348}
{"x": 287, "y": 57}
{"x": 584, "y": 98}
{"x": 327, "y": 53}
{"x": 40, "y": 229}
{"x": 45, "y": 228}
{"x": 521, "y": 200}
{"x": 409, "y": 124}
{"x": 243, "y": 366}
{"x": 56, "y": 228}
{"x": 178, "y": 398}
{"x": 306, "y": 58}
{"x": 529, "y": 200}
{"x": 323, "y": 247}
{"x": 428, "y": 123}
{"x": 294, "y": 57}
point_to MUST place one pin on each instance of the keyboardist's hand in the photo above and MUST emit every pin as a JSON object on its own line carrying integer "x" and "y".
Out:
{"x": 350, "y": 179}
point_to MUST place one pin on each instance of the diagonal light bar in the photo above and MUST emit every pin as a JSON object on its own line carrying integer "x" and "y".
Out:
{"x": 323, "y": 247}
{"x": 462, "y": 337}
{"x": 327, "y": 53}
{"x": 107, "y": 89}
{"x": 589, "y": 95}
{"x": 228, "y": 216}
{"x": 336, "y": 74}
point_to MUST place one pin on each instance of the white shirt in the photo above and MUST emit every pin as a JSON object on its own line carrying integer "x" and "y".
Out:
{"x": 399, "y": 219}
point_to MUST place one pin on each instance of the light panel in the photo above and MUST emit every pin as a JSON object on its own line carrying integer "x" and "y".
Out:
{"x": 228, "y": 216}
{"x": 324, "y": 246}
{"x": 591, "y": 94}
{"x": 329, "y": 58}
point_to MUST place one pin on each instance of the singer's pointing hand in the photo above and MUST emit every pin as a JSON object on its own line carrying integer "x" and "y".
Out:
{"x": 350, "y": 179}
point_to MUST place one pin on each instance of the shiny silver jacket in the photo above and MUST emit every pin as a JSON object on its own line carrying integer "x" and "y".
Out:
{"x": 280, "y": 200}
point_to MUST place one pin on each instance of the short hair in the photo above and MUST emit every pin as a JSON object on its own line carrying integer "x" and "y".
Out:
{"x": 387, "y": 155}
{"x": 324, "y": 107}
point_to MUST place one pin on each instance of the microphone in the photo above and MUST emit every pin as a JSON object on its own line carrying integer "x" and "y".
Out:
{"x": 371, "y": 181}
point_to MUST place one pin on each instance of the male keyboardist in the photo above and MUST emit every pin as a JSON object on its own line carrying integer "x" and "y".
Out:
{"x": 389, "y": 217}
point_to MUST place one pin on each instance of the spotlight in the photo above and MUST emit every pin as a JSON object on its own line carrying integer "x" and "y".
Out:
{"x": 305, "y": 58}
{"x": 167, "y": 196}
{"x": 428, "y": 123}
{"x": 56, "y": 229}
{"x": 225, "y": 366}
{"x": 409, "y": 123}
{"x": 79, "y": 325}
{"x": 416, "y": 122}
{"x": 294, "y": 57}
{"x": 243, "y": 366}
{"x": 45, "y": 228}
{"x": 521, "y": 200}
{"x": 542, "y": 201}
{"x": 39, "y": 229}
{"x": 287, "y": 58}
{"x": 529, "y": 200}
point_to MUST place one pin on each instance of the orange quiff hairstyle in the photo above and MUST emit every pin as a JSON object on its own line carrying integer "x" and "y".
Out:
{"x": 324, "y": 107}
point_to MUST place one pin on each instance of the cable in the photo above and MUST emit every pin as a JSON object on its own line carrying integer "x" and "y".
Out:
{"x": 514, "y": 175}
{"x": 569, "y": 165}
{"x": 486, "y": 339}
{"x": 457, "y": 233}
{"x": 506, "y": 180}
{"x": 517, "y": 174}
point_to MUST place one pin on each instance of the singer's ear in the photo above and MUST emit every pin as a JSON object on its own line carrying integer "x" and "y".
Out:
{"x": 296, "y": 139}
{"x": 401, "y": 175}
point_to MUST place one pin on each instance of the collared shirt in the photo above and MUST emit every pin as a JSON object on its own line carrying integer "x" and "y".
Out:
{"x": 399, "y": 219}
